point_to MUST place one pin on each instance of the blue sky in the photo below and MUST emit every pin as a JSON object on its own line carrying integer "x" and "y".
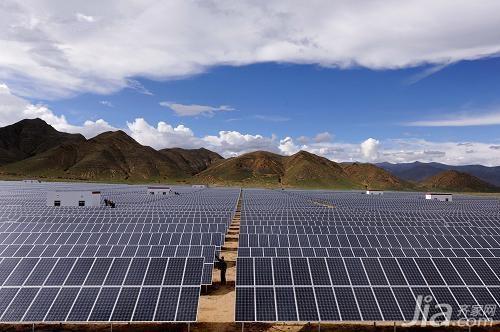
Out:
{"x": 296, "y": 100}
{"x": 352, "y": 81}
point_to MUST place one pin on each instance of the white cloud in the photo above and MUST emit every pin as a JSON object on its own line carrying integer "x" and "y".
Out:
{"x": 195, "y": 110}
{"x": 84, "y": 18}
{"x": 461, "y": 120}
{"x": 233, "y": 143}
{"x": 106, "y": 103}
{"x": 271, "y": 118}
{"x": 163, "y": 135}
{"x": 288, "y": 147}
{"x": 46, "y": 52}
{"x": 453, "y": 153}
{"x": 323, "y": 137}
{"x": 91, "y": 128}
{"x": 369, "y": 149}
{"x": 303, "y": 139}
{"x": 137, "y": 86}
{"x": 13, "y": 109}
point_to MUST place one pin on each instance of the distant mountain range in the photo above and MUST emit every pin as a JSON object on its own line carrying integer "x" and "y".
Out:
{"x": 418, "y": 171}
{"x": 32, "y": 148}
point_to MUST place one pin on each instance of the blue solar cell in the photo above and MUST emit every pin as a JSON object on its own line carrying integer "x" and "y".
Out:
{"x": 167, "y": 304}
{"x": 286, "y": 308}
{"x": 245, "y": 304}
{"x": 104, "y": 304}
{"x": 188, "y": 304}
{"x": 306, "y": 304}
{"x": 125, "y": 304}
{"x": 62, "y": 304}
{"x": 146, "y": 304}
{"x": 19, "y": 304}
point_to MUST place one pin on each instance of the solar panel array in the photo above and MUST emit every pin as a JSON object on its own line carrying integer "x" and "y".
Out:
{"x": 331, "y": 256}
{"x": 142, "y": 261}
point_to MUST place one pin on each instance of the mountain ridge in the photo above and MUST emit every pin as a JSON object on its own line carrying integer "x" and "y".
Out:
{"x": 418, "y": 171}
{"x": 115, "y": 156}
{"x": 29, "y": 137}
{"x": 456, "y": 181}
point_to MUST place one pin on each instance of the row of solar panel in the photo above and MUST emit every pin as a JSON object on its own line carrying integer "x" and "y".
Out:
{"x": 367, "y": 229}
{"x": 349, "y": 214}
{"x": 364, "y": 303}
{"x": 101, "y": 271}
{"x": 319, "y": 213}
{"x": 302, "y": 271}
{"x": 363, "y": 221}
{"x": 221, "y": 219}
{"x": 364, "y": 252}
{"x": 41, "y": 227}
{"x": 373, "y": 241}
{"x": 269, "y": 208}
{"x": 43, "y": 250}
{"x": 189, "y": 239}
{"x": 77, "y": 304}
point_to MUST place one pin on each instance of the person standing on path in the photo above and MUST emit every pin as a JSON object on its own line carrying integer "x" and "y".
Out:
{"x": 222, "y": 265}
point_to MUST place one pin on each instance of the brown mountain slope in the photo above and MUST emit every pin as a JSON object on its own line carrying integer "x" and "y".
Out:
{"x": 29, "y": 137}
{"x": 305, "y": 169}
{"x": 262, "y": 168}
{"x": 192, "y": 161}
{"x": 108, "y": 156}
{"x": 302, "y": 169}
{"x": 254, "y": 168}
{"x": 374, "y": 177}
{"x": 456, "y": 181}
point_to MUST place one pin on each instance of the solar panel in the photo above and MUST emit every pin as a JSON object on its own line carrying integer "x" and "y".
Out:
{"x": 101, "y": 264}
{"x": 364, "y": 258}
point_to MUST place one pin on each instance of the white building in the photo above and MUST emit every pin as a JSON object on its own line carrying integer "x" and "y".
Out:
{"x": 374, "y": 192}
{"x": 439, "y": 197}
{"x": 73, "y": 198}
{"x": 199, "y": 186}
{"x": 31, "y": 181}
{"x": 159, "y": 190}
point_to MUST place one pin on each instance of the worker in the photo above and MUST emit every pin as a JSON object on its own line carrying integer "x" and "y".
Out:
{"x": 222, "y": 265}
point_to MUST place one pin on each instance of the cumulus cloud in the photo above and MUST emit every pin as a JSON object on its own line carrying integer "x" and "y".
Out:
{"x": 323, "y": 137}
{"x": 410, "y": 150}
{"x": 13, "y": 109}
{"x": 233, "y": 143}
{"x": 288, "y": 147}
{"x": 47, "y": 52}
{"x": 195, "y": 110}
{"x": 163, "y": 135}
{"x": 303, "y": 139}
{"x": 369, "y": 149}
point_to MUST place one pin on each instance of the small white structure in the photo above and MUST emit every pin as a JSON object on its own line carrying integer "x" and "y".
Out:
{"x": 374, "y": 192}
{"x": 159, "y": 190}
{"x": 199, "y": 186}
{"x": 31, "y": 181}
{"x": 439, "y": 197}
{"x": 73, "y": 198}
